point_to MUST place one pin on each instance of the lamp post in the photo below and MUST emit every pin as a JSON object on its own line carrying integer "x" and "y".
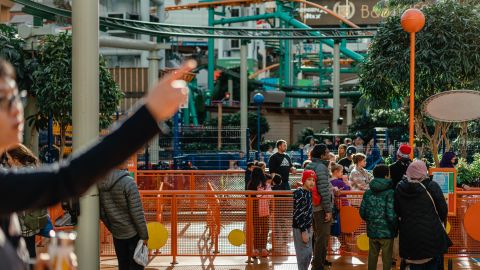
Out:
{"x": 412, "y": 21}
{"x": 258, "y": 99}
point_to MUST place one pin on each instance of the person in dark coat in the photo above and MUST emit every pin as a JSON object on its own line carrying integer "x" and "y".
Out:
{"x": 248, "y": 174}
{"x": 398, "y": 169}
{"x": 421, "y": 209}
{"x": 450, "y": 160}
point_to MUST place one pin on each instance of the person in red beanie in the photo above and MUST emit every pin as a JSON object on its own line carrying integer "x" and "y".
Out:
{"x": 398, "y": 169}
{"x": 397, "y": 173}
{"x": 303, "y": 219}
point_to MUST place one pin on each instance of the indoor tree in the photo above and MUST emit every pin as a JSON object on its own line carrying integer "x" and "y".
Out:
{"x": 447, "y": 58}
{"x": 53, "y": 85}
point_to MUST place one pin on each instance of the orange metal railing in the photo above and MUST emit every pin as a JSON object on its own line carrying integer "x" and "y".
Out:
{"x": 213, "y": 217}
{"x": 199, "y": 223}
{"x": 199, "y": 209}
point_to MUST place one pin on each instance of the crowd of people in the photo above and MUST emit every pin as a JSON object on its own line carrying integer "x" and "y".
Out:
{"x": 404, "y": 210}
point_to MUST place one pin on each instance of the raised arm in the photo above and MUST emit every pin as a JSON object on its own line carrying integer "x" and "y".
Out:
{"x": 35, "y": 188}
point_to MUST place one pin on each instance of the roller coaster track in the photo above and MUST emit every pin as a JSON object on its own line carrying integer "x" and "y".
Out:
{"x": 286, "y": 18}
{"x": 215, "y": 4}
{"x": 173, "y": 30}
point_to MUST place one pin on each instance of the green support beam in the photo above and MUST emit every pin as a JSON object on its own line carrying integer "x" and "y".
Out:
{"x": 323, "y": 95}
{"x": 211, "y": 55}
{"x": 296, "y": 23}
{"x": 328, "y": 70}
{"x": 244, "y": 19}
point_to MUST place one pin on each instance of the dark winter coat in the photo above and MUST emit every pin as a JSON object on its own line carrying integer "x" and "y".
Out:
{"x": 121, "y": 208}
{"x": 421, "y": 233}
{"x": 398, "y": 169}
{"x": 378, "y": 211}
{"x": 302, "y": 209}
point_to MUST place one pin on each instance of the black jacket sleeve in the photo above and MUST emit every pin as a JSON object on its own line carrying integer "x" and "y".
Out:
{"x": 35, "y": 188}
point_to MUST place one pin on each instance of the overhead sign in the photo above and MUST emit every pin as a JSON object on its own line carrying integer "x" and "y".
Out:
{"x": 360, "y": 12}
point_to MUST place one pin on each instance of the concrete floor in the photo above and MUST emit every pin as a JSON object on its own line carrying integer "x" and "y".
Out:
{"x": 278, "y": 263}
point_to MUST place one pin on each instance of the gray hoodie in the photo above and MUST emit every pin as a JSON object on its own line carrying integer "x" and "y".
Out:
{"x": 121, "y": 209}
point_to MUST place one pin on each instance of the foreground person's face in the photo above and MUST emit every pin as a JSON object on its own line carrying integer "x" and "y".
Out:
{"x": 11, "y": 114}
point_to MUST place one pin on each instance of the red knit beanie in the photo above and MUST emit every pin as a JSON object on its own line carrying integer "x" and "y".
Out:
{"x": 404, "y": 151}
{"x": 307, "y": 174}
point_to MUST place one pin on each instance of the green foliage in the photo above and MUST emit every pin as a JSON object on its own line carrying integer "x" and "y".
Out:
{"x": 395, "y": 120}
{"x": 53, "y": 79}
{"x": 469, "y": 173}
{"x": 11, "y": 49}
{"x": 53, "y": 82}
{"x": 474, "y": 128}
{"x": 446, "y": 57}
{"x": 110, "y": 94}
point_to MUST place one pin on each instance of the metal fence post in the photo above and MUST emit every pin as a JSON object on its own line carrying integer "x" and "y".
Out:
{"x": 249, "y": 221}
{"x": 174, "y": 230}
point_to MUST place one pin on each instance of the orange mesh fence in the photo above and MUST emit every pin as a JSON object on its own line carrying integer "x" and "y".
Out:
{"x": 196, "y": 179}
{"x": 235, "y": 223}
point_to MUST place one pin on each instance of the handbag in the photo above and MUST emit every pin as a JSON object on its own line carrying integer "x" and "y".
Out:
{"x": 449, "y": 242}
{"x": 140, "y": 254}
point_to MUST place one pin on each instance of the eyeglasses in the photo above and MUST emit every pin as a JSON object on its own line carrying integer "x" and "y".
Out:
{"x": 8, "y": 101}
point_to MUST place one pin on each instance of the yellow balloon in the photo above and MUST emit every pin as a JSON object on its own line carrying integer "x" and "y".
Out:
{"x": 157, "y": 235}
{"x": 362, "y": 242}
{"x": 236, "y": 237}
{"x": 448, "y": 227}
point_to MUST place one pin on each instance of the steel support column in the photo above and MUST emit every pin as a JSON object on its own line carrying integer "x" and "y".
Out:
{"x": 85, "y": 120}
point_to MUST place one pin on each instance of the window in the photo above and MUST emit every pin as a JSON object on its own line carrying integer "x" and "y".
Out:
{"x": 235, "y": 12}
{"x": 234, "y": 43}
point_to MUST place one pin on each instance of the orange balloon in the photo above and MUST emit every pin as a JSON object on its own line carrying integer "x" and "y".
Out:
{"x": 412, "y": 20}
{"x": 350, "y": 219}
{"x": 470, "y": 221}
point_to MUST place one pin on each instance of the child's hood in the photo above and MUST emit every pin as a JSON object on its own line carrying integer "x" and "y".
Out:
{"x": 380, "y": 184}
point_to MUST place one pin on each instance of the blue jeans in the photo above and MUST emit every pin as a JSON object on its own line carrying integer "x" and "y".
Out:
{"x": 303, "y": 251}
{"x": 434, "y": 264}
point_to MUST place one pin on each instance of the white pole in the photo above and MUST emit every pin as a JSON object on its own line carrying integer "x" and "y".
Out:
{"x": 85, "y": 119}
{"x": 152, "y": 79}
